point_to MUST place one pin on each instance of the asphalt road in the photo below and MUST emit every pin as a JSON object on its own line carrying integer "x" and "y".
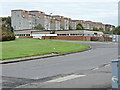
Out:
{"x": 88, "y": 69}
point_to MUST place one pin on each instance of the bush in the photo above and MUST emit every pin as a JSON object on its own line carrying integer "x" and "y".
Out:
{"x": 39, "y": 27}
{"x": 7, "y": 30}
{"x": 79, "y": 27}
{"x": 7, "y": 36}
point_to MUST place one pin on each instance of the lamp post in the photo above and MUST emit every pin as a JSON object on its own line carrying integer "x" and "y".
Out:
{"x": 50, "y": 22}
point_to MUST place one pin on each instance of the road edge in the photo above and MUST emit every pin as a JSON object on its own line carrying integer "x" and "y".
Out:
{"x": 40, "y": 57}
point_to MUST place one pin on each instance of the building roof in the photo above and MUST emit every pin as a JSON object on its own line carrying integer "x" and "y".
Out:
{"x": 17, "y": 10}
{"x": 34, "y": 11}
{"x": 75, "y": 20}
{"x": 57, "y": 20}
{"x": 55, "y": 15}
{"x": 98, "y": 22}
{"x": 88, "y": 21}
{"x": 66, "y": 18}
{"x": 47, "y": 15}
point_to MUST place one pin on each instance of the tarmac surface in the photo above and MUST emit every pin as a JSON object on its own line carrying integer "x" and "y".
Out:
{"x": 88, "y": 69}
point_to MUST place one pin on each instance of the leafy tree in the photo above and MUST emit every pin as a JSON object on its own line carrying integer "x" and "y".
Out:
{"x": 95, "y": 29}
{"x": 39, "y": 27}
{"x": 101, "y": 29}
{"x": 79, "y": 27}
{"x": 107, "y": 31}
{"x": 116, "y": 30}
{"x": 70, "y": 28}
{"x": 8, "y": 20}
{"x": 7, "y": 30}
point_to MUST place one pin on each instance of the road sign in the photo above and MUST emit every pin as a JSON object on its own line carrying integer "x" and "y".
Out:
{"x": 116, "y": 74}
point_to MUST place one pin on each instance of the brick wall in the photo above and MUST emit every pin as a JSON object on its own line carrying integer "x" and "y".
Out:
{"x": 81, "y": 38}
{"x": 25, "y": 36}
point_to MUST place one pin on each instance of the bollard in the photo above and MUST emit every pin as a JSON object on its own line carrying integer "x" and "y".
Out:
{"x": 116, "y": 74}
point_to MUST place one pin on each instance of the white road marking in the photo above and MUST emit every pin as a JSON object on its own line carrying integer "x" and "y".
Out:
{"x": 114, "y": 79}
{"x": 107, "y": 65}
{"x": 61, "y": 79}
{"x": 95, "y": 68}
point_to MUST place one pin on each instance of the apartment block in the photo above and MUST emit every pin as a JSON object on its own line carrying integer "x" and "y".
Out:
{"x": 54, "y": 24}
{"x": 22, "y": 19}
{"x": 64, "y": 22}
{"x": 72, "y": 24}
{"x": 109, "y": 26}
{"x": 41, "y": 18}
{"x": 99, "y": 24}
{"x": 83, "y": 23}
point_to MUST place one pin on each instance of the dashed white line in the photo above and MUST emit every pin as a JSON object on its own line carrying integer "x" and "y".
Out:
{"x": 61, "y": 79}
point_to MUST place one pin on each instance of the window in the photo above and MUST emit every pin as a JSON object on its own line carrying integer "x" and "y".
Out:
{"x": 14, "y": 27}
{"x": 27, "y": 34}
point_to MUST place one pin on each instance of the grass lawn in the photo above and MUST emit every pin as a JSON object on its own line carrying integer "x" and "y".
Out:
{"x": 31, "y": 47}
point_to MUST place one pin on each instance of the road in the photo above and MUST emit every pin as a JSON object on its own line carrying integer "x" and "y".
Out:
{"x": 88, "y": 69}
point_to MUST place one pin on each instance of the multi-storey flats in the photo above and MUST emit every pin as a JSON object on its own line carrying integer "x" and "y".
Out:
{"x": 54, "y": 24}
{"x": 64, "y": 22}
{"x": 22, "y": 19}
{"x": 41, "y": 18}
{"x": 72, "y": 24}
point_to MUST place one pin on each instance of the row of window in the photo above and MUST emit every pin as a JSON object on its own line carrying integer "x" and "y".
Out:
{"x": 78, "y": 35}
{"x": 22, "y": 34}
{"x": 63, "y": 35}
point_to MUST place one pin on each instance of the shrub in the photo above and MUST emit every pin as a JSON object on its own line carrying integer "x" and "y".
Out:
{"x": 79, "y": 27}
{"x": 39, "y": 27}
{"x": 7, "y": 30}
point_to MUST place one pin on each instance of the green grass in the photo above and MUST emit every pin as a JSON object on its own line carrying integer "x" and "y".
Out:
{"x": 31, "y": 47}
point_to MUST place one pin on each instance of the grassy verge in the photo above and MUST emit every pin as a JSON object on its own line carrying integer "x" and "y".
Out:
{"x": 31, "y": 47}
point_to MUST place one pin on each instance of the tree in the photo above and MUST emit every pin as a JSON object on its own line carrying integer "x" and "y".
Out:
{"x": 95, "y": 29}
{"x": 116, "y": 30}
{"x": 79, "y": 27}
{"x": 8, "y": 20}
{"x": 70, "y": 28}
{"x": 107, "y": 31}
{"x": 39, "y": 27}
{"x": 7, "y": 30}
{"x": 101, "y": 29}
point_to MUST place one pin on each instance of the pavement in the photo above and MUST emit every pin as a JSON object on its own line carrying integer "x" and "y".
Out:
{"x": 88, "y": 69}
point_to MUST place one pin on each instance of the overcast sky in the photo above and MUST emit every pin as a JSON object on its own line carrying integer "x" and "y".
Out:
{"x": 105, "y": 11}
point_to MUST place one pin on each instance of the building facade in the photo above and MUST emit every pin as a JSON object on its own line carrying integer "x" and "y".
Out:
{"x": 83, "y": 35}
{"x": 111, "y": 27}
{"x": 54, "y": 24}
{"x": 22, "y": 19}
